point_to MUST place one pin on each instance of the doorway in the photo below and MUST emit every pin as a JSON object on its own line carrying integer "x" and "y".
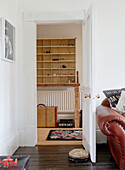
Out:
{"x": 29, "y": 136}
{"x": 62, "y": 44}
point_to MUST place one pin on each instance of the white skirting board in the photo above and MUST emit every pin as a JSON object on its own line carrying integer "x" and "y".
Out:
{"x": 28, "y": 137}
{"x": 9, "y": 145}
{"x": 100, "y": 137}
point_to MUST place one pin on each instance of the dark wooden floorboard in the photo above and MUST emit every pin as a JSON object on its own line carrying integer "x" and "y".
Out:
{"x": 56, "y": 158}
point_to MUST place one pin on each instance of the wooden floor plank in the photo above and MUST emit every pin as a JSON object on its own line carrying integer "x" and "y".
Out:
{"x": 56, "y": 158}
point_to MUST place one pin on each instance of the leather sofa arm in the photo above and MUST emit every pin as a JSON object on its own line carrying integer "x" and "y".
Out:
{"x": 110, "y": 122}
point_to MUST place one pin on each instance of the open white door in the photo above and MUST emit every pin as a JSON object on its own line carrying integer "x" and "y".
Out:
{"x": 89, "y": 105}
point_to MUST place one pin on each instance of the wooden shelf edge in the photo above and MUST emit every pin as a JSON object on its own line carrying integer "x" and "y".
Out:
{"x": 40, "y": 76}
{"x": 55, "y": 68}
{"x": 55, "y": 46}
{"x": 60, "y": 61}
{"x": 65, "y": 38}
{"x": 55, "y": 53}
{"x": 59, "y": 85}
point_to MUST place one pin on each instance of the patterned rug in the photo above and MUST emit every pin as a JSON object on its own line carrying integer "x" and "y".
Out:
{"x": 65, "y": 135}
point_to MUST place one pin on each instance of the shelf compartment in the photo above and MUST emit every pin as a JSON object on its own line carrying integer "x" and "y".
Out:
{"x": 56, "y": 76}
{"x": 61, "y": 65}
{"x": 61, "y": 46}
{"x": 55, "y": 53}
{"x": 62, "y": 50}
{"x": 47, "y": 42}
{"x": 55, "y": 68}
{"x": 55, "y": 42}
{"x": 60, "y": 61}
{"x": 67, "y": 42}
{"x": 43, "y": 50}
{"x": 39, "y": 42}
{"x": 44, "y": 80}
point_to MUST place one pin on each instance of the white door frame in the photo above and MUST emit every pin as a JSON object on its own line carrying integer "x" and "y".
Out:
{"x": 31, "y": 19}
{"x": 89, "y": 140}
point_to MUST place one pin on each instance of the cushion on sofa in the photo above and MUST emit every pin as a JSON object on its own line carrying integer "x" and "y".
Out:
{"x": 121, "y": 104}
{"x": 113, "y": 96}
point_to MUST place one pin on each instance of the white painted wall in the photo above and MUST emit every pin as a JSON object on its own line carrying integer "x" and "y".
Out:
{"x": 56, "y": 5}
{"x": 110, "y": 45}
{"x": 109, "y": 48}
{"x": 11, "y": 86}
{"x": 16, "y": 111}
{"x": 65, "y": 31}
{"x": 30, "y": 117}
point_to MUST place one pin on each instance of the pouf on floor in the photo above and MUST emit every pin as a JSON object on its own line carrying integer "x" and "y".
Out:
{"x": 78, "y": 155}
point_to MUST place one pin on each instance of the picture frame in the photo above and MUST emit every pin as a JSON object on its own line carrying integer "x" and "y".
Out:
{"x": 7, "y": 40}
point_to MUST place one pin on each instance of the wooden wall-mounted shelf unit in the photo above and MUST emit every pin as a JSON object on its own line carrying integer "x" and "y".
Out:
{"x": 56, "y": 61}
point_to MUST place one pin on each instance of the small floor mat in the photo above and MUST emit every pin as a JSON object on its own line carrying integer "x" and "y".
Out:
{"x": 65, "y": 135}
{"x": 78, "y": 155}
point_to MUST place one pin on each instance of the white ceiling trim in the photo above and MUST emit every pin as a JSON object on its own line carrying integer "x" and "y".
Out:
{"x": 54, "y": 17}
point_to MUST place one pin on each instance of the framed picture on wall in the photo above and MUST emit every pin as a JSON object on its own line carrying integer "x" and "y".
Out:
{"x": 7, "y": 38}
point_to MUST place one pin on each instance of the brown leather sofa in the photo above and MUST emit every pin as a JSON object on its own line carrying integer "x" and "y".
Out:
{"x": 112, "y": 124}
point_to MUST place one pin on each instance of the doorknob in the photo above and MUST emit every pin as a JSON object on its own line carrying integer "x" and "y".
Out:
{"x": 87, "y": 96}
{"x": 98, "y": 96}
